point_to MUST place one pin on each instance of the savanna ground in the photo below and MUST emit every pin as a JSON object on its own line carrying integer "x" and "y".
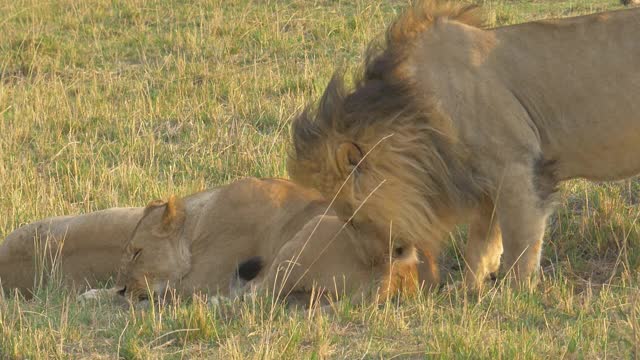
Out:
{"x": 116, "y": 103}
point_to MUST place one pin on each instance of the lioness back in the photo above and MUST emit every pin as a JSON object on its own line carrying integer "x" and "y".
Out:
{"x": 248, "y": 217}
{"x": 218, "y": 241}
{"x": 301, "y": 228}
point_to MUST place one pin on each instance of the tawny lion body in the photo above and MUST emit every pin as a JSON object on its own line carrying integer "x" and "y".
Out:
{"x": 452, "y": 123}
{"x": 84, "y": 249}
{"x": 196, "y": 244}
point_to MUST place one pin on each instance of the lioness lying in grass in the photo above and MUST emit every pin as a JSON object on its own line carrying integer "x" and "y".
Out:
{"x": 76, "y": 251}
{"x": 197, "y": 243}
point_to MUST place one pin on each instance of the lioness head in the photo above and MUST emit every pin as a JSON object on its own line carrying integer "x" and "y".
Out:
{"x": 156, "y": 256}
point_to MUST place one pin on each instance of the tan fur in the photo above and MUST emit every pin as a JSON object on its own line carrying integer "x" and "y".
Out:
{"x": 275, "y": 220}
{"x": 456, "y": 123}
{"x": 196, "y": 243}
{"x": 629, "y": 2}
{"x": 173, "y": 215}
{"x": 81, "y": 251}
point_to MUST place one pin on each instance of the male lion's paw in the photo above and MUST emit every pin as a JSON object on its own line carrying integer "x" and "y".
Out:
{"x": 461, "y": 287}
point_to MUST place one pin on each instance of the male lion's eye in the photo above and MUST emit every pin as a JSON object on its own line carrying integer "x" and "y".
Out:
{"x": 136, "y": 254}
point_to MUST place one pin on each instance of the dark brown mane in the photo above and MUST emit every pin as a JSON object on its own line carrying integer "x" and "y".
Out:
{"x": 383, "y": 88}
{"x": 411, "y": 145}
{"x": 383, "y": 59}
{"x": 423, "y": 14}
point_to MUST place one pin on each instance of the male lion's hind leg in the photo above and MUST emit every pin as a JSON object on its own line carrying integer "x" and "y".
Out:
{"x": 484, "y": 247}
{"x": 522, "y": 212}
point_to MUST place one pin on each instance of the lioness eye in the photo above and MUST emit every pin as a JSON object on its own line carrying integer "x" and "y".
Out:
{"x": 136, "y": 254}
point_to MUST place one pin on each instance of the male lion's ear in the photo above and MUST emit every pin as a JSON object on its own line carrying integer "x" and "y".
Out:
{"x": 174, "y": 213}
{"x": 348, "y": 156}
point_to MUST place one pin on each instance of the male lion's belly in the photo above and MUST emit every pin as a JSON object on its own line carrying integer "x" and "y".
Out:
{"x": 610, "y": 155}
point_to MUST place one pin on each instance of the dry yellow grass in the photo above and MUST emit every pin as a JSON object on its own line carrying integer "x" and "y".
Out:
{"x": 114, "y": 103}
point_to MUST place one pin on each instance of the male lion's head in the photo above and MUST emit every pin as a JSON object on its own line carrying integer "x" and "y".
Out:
{"x": 385, "y": 149}
{"x": 156, "y": 256}
{"x": 379, "y": 155}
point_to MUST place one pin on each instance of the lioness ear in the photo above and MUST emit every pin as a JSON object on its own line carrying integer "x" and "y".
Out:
{"x": 152, "y": 205}
{"x": 173, "y": 215}
{"x": 348, "y": 156}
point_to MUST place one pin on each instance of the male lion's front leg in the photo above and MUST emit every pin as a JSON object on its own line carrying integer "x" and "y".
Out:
{"x": 522, "y": 212}
{"x": 484, "y": 247}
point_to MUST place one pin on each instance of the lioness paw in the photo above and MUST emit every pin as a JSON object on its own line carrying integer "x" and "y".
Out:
{"x": 93, "y": 294}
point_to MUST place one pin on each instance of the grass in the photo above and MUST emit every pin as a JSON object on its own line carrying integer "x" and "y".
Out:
{"x": 115, "y": 103}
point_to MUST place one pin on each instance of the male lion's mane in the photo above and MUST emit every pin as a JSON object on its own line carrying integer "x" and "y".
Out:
{"x": 383, "y": 102}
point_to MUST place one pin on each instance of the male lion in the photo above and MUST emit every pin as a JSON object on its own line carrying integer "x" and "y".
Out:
{"x": 450, "y": 122}
{"x": 84, "y": 250}
{"x": 279, "y": 233}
